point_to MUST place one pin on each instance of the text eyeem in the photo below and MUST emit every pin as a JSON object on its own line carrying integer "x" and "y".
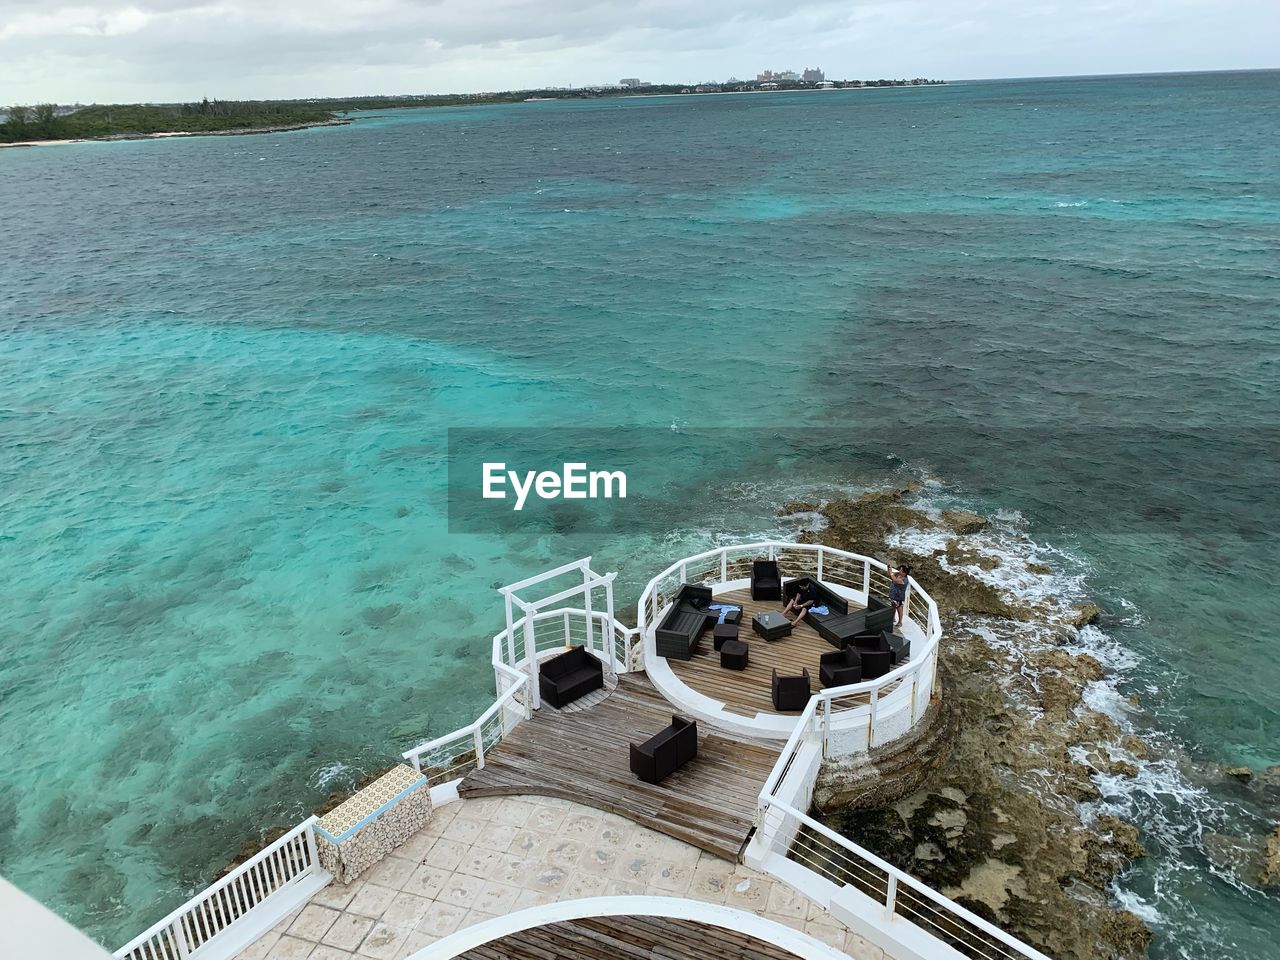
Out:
{"x": 574, "y": 482}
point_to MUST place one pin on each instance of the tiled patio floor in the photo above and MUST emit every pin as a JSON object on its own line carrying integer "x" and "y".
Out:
{"x": 487, "y": 856}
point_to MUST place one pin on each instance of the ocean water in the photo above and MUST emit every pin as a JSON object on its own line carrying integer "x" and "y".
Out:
{"x": 228, "y": 369}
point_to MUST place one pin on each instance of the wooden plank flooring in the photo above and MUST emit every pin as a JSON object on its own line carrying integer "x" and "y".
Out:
{"x": 627, "y": 938}
{"x": 710, "y": 802}
{"x": 748, "y": 692}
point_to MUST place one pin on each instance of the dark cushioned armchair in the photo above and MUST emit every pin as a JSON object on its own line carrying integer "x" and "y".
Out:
{"x": 840, "y": 667}
{"x": 766, "y": 580}
{"x": 665, "y": 752}
{"x": 790, "y": 693}
{"x": 572, "y": 674}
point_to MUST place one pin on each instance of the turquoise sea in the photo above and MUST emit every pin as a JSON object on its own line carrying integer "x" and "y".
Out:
{"x": 228, "y": 365}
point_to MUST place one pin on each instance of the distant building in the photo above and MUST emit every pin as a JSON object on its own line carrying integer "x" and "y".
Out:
{"x": 630, "y": 82}
{"x": 768, "y": 85}
{"x": 813, "y": 75}
{"x": 826, "y": 85}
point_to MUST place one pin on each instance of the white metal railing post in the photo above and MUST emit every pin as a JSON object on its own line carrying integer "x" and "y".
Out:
{"x": 478, "y": 739}
{"x": 531, "y": 655}
{"x": 684, "y": 572}
{"x": 866, "y": 578}
{"x": 568, "y": 641}
{"x": 178, "y": 937}
{"x": 610, "y": 626}
{"x": 511, "y": 633}
{"x": 821, "y": 554}
{"x": 871, "y": 717}
{"x": 826, "y": 727}
{"x": 915, "y": 679}
{"x": 906, "y": 603}
{"x": 586, "y": 606}
{"x": 891, "y": 897}
{"x": 313, "y": 855}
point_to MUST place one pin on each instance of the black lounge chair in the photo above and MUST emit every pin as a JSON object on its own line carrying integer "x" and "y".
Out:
{"x": 666, "y": 752}
{"x": 877, "y": 661}
{"x": 898, "y": 645}
{"x": 766, "y": 581}
{"x": 790, "y": 693}
{"x": 572, "y": 674}
{"x": 840, "y": 667}
{"x": 677, "y": 635}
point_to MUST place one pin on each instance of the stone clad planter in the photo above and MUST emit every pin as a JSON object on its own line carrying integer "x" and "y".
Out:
{"x": 354, "y": 836}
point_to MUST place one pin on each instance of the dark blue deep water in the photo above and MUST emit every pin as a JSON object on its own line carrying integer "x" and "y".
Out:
{"x": 227, "y": 366}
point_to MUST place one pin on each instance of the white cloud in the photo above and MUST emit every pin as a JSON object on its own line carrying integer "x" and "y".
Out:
{"x": 180, "y": 49}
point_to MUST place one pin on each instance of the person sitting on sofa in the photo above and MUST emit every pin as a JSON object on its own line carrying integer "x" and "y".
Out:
{"x": 805, "y": 599}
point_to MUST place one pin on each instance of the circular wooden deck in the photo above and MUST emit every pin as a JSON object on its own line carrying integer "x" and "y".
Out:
{"x": 627, "y": 938}
{"x": 749, "y": 692}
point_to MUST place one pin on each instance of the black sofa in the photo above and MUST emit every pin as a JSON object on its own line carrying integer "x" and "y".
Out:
{"x": 666, "y": 752}
{"x": 842, "y": 629}
{"x": 840, "y": 667}
{"x": 572, "y": 674}
{"x": 677, "y": 635}
{"x": 766, "y": 580}
{"x": 790, "y": 693}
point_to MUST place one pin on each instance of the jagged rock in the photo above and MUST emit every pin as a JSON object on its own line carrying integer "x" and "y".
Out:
{"x": 1127, "y": 934}
{"x": 1084, "y": 615}
{"x": 798, "y": 506}
{"x": 1136, "y": 746}
{"x": 1123, "y": 837}
{"x": 1269, "y": 873}
{"x": 963, "y": 521}
{"x": 1243, "y": 774}
{"x": 961, "y": 555}
{"x": 1271, "y": 775}
{"x": 1041, "y": 568}
{"x": 1235, "y": 855}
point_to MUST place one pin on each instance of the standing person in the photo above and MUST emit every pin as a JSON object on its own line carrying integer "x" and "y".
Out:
{"x": 901, "y": 578}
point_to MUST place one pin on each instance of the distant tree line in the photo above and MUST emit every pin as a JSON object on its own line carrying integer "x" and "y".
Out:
{"x": 43, "y": 122}
{"x": 47, "y": 121}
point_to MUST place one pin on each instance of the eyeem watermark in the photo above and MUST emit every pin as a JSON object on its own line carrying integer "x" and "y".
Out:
{"x": 574, "y": 482}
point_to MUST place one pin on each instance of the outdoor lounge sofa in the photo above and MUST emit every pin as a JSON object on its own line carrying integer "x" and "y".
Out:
{"x": 790, "y": 693}
{"x": 766, "y": 580}
{"x": 842, "y": 629}
{"x": 572, "y": 674}
{"x": 840, "y": 667}
{"x": 665, "y": 752}
{"x": 690, "y": 614}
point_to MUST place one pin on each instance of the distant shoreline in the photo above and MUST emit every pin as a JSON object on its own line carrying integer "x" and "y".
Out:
{"x": 165, "y": 134}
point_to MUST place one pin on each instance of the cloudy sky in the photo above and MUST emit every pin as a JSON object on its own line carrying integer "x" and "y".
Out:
{"x": 131, "y": 50}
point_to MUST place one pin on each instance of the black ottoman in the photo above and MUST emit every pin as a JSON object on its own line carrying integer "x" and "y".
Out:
{"x": 723, "y": 632}
{"x": 733, "y": 655}
{"x": 771, "y": 625}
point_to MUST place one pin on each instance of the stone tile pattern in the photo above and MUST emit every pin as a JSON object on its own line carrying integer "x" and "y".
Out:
{"x": 488, "y": 856}
{"x": 351, "y": 857}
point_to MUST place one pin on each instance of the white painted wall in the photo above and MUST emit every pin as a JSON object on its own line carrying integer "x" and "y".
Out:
{"x": 31, "y": 931}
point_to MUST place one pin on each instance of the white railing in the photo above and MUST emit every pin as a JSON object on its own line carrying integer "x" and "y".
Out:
{"x": 784, "y": 827}
{"x": 860, "y": 716}
{"x": 451, "y": 756}
{"x": 556, "y": 629}
{"x": 187, "y": 931}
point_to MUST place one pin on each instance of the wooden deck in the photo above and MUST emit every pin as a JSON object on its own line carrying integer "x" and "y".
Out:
{"x": 748, "y": 692}
{"x": 710, "y": 802}
{"x": 627, "y": 938}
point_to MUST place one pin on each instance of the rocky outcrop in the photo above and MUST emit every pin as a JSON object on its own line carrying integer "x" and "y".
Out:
{"x": 996, "y": 821}
{"x": 890, "y": 772}
{"x": 963, "y": 522}
{"x": 1269, "y": 872}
